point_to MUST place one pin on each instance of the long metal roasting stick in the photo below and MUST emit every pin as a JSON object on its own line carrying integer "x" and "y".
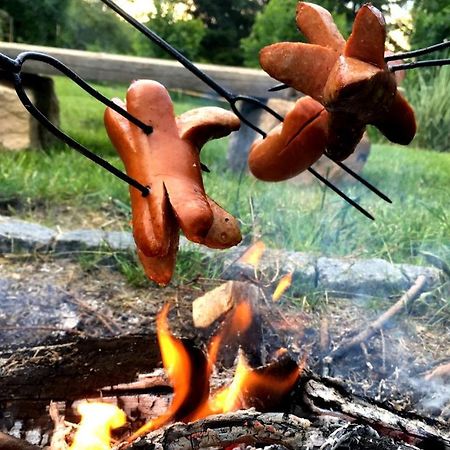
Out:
{"x": 418, "y": 52}
{"x": 232, "y": 99}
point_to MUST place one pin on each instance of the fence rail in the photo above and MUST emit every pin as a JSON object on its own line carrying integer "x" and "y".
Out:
{"x": 120, "y": 68}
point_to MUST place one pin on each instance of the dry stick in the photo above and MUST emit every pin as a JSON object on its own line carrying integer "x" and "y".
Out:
{"x": 410, "y": 295}
{"x": 440, "y": 372}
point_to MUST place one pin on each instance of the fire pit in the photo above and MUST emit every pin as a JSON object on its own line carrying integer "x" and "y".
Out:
{"x": 271, "y": 399}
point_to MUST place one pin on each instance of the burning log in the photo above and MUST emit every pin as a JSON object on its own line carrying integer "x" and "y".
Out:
{"x": 74, "y": 369}
{"x": 325, "y": 399}
{"x": 257, "y": 429}
{"x": 405, "y": 300}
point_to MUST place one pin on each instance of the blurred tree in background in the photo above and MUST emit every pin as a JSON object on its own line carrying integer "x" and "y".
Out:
{"x": 227, "y": 22}
{"x": 88, "y": 25}
{"x": 431, "y": 22}
{"x": 276, "y": 23}
{"x": 184, "y": 33}
{"x": 223, "y": 31}
{"x": 37, "y": 22}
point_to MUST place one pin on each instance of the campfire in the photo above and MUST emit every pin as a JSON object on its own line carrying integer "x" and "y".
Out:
{"x": 235, "y": 387}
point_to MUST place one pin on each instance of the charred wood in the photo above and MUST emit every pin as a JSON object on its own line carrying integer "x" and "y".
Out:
{"x": 74, "y": 369}
{"x": 8, "y": 442}
{"x": 253, "y": 428}
{"x": 325, "y": 399}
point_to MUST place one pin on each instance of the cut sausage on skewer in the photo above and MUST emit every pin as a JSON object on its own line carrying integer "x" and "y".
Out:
{"x": 350, "y": 79}
{"x": 168, "y": 162}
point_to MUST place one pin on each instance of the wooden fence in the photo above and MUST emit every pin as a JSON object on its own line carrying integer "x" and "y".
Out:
{"x": 119, "y": 68}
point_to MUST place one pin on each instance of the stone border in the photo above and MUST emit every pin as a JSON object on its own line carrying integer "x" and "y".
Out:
{"x": 345, "y": 276}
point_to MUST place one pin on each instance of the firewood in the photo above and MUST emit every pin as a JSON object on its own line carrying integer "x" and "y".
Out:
{"x": 254, "y": 428}
{"x": 213, "y": 305}
{"x": 74, "y": 369}
{"x": 324, "y": 398}
{"x": 405, "y": 300}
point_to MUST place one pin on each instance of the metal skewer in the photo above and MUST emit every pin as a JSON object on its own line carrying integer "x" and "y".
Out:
{"x": 418, "y": 52}
{"x": 227, "y": 95}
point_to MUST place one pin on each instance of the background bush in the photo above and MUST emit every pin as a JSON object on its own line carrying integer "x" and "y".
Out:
{"x": 427, "y": 91}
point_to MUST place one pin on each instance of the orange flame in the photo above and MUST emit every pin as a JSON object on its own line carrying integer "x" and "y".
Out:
{"x": 282, "y": 286}
{"x": 97, "y": 421}
{"x": 241, "y": 319}
{"x": 261, "y": 387}
{"x": 253, "y": 255}
{"x": 178, "y": 367}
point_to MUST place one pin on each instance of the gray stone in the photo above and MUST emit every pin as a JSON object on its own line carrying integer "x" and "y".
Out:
{"x": 433, "y": 275}
{"x": 374, "y": 277}
{"x": 18, "y": 129}
{"x": 76, "y": 240}
{"x": 18, "y": 235}
{"x": 92, "y": 240}
{"x": 120, "y": 240}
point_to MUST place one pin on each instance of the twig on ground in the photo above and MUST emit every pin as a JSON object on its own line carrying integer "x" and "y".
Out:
{"x": 409, "y": 296}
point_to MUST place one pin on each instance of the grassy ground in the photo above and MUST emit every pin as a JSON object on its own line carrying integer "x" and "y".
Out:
{"x": 62, "y": 188}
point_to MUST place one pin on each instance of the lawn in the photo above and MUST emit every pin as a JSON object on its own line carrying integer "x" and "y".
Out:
{"x": 60, "y": 187}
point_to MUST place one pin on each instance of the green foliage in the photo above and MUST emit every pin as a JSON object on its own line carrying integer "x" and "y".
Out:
{"x": 276, "y": 23}
{"x": 36, "y": 22}
{"x": 227, "y": 22}
{"x": 427, "y": 91}
{"x": 184, "y": 34}
{"x": 90, "y": 26}
{"x": 431, "y": 22}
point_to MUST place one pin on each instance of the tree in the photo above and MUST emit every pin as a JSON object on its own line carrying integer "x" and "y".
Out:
{"x": 431, "y": 22}
{"x": 91, "y": 26}
{"x": 184, "y": 33}
{"x": 276, "y": 23}
{"x": 227, "y": 22}
{"x": 36, "y": 22}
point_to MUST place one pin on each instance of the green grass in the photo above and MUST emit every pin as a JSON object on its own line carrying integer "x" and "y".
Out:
{"x": 283, "y": 215}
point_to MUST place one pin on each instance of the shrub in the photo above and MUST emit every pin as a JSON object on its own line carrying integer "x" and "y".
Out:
{"x": 427, "y": 91}
{"x": 276, "y": 23}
